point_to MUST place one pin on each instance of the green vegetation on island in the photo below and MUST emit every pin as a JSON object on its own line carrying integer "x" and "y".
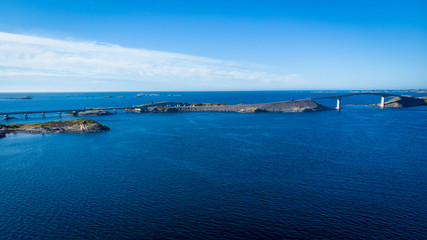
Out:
{"x": 71, "y": 126}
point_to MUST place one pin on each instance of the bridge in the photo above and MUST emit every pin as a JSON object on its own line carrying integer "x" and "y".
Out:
{"x": 7, "y": 114}
{"x": 338, "y": 107}
{"x": 338, "y": 97}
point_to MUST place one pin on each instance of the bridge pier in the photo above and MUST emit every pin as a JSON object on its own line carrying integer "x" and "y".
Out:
{"x": 59, "y": 114}
{"x": 338, "y": 104}
{"x": 43, "y": 115}
{"x": 115, "y": 111}
{"x": 382, "y": 102}
{"x": 25, "y": 116}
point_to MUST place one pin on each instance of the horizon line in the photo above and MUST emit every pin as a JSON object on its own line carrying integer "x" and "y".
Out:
{"x": 266, "y": 90}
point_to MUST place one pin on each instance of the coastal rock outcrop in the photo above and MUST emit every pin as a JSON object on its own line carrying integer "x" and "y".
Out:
{"x": 406, "y": 101}
{"x": 89, "y": 113}
{"x": 2, "y": 134}
{"x": 251, "y": 110}
{"x": 71, "y": 126}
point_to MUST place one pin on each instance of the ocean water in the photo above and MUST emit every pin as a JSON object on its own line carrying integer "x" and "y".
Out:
{"x": 359, "y": 173}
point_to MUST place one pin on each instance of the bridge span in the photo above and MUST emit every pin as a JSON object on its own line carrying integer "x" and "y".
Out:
{"x": 338, "y": 97}
{"x": 43, "y": 112}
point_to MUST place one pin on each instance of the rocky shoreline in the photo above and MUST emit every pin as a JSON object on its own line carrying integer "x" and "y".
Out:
{"x": 305, "y": 105}
{"x": 51, "y": 127}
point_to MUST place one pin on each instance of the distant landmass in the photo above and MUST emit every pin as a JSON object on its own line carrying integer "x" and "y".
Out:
{"x": 21, "y": 98}
{"x": 391, "y": 91}
{"x": 157, "y": 95}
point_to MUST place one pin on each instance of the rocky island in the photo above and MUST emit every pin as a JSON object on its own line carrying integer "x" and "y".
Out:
{"x": 400, "y": 102}
{"x": 305, "y": 105}
{"x": 406, "y": 101}
{"x": 89, "y": 113}
{"x": 71, "y": 126}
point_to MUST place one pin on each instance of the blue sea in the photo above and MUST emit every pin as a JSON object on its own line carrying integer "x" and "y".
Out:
{"x": 358, "y": 173}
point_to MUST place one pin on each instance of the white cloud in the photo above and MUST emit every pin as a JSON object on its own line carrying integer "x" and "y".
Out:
{"x": 31, "y": 59}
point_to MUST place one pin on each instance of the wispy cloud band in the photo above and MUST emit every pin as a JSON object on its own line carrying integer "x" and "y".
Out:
{"x": 23, "y": 56}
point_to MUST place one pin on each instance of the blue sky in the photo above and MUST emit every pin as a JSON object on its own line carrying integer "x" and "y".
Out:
{"x": 212, "y": 45}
